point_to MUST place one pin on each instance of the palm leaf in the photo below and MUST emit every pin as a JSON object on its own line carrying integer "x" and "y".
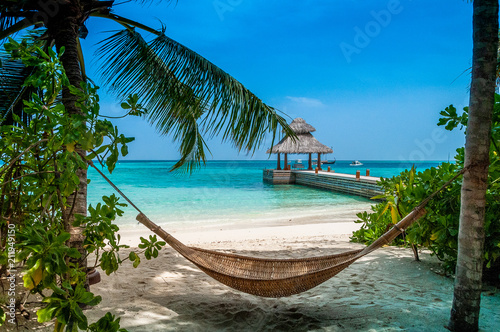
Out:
{"x": 180, "y": 111}
{"x": 7, "y": 22}
{"x": 128, "y": 23}
{"x": 192, "y": 146}
{"x": 176, "y": 83}
{"x": 231, "y": 108}
{"x": 13, "y": 74}
{"x": 10, "y": 28}
{"x": 12, "y": 92}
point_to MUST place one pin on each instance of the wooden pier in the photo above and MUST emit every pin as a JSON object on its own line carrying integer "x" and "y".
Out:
{"x": 364, "y": 186}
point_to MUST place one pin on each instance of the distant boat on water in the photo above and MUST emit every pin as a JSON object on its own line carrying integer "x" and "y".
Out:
{"x": 329, "y": 162}
{"x": 356, "y": 163}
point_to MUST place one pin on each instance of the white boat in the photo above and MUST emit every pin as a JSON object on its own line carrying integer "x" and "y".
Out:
{"x": 297, "y": 164}
{"x": 356, "y": 163}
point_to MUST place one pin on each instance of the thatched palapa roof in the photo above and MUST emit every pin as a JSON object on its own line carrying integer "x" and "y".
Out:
{"x": 304, "y": 143}
{"x": 300, "y": 126}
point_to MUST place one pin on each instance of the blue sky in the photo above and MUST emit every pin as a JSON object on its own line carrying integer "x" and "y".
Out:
{"x": 370, "y": 76}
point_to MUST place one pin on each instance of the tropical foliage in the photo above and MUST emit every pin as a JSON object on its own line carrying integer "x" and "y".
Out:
{"x": 39, "y": 164}
{"x": 438, "y": 229}
{"x": 186, "y": 96}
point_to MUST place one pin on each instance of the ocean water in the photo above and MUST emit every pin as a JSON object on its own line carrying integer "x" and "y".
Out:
{"x": 229, "y": 192}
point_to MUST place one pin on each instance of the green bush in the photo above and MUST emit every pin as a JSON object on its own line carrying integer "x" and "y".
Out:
{"x": 38, "y": 171}
{"x": 438, "y": 229}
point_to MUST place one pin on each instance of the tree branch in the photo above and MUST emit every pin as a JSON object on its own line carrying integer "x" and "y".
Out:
{"x": 20, "y": 155}
{"x": 25, "y": 175}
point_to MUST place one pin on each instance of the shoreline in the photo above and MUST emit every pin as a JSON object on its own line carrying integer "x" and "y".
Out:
{"x": 234, "y": 233}
{"x": 335, "y": 222}
{"x": 384, "y": 291}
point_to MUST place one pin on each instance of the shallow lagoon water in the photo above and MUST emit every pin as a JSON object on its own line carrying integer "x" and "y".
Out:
{"x": 228, "y": 192}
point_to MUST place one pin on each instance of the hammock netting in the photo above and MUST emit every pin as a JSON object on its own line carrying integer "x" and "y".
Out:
{"x": 274, "y": 277}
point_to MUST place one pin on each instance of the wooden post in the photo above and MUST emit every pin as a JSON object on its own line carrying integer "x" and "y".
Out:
{"x": 316, "y": 170}
{"x": 329, "y": 169}
{"x": 286, "y": 161}
{"x": 358, "y": 173}
{"x": 319, "y": 161}
{"x": 310, "y": 162}
{"x": 367, "y": 172}
{"x": 279, "y": 163}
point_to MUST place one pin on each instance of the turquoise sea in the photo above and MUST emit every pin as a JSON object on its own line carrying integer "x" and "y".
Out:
{"x": 229, "y": 192}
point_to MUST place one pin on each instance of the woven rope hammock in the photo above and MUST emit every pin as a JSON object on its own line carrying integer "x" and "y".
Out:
{"x": 274, "y": 277}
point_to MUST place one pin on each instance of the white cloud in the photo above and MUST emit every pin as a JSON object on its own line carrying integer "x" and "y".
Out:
{"x": 111, "y": 109}
{"x": 304, "y": 101}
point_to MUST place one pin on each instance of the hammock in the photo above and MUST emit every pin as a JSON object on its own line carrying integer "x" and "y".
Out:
{"x": 275, "y": 277}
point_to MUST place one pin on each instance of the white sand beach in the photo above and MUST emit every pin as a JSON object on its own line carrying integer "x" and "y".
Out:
{"x": 384, "y": 291}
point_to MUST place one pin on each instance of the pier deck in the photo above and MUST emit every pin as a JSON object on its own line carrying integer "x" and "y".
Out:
{"x": 364, "y": 186}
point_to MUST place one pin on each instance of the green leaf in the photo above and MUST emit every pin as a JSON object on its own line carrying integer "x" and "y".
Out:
{"x": 124, "y": 150}
{"x": 3, "y": 316}
{"x": 137, "y": 261}
{"x": 107, "y": 323}
{"x": 94, "y": 301}
{"x": 394, "y": 215}
{"x": 46, "y": 314}
{"x": 63, "y": 237}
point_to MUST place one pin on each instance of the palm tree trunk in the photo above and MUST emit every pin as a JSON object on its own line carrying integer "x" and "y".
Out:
{"x": 467, "y": 294}
{"x": 64, "y": 27}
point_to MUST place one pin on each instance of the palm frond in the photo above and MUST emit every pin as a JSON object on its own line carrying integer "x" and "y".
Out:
{"x": 232, "y": 109}
{"x": 6, "y": 22}
{"x": 129, "y": 66}
{"x": 173, "y": 80}
{"x": 124, "y": 21}
{"x": 81, "y": 59}
{"x": 192, "y": 148}
{"x": 12, "y": 92}
{"x": 8, "y": 28}
{"x": 13, "y": 74}
{"x": 125, "y": 71}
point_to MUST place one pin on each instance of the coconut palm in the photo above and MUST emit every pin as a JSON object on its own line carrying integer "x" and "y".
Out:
{"x": 467, "y": 294}
{"x": 171, "y": 79}
{"x": 186, "y": 95}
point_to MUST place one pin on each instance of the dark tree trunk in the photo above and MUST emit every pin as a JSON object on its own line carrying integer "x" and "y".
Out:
{"x": 467, "y": 294}
{"x": 64, "y": 27}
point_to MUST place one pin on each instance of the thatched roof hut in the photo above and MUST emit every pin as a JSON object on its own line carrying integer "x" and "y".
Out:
{"x": 300, "y": 126}
{"x": 303, "y": 144}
